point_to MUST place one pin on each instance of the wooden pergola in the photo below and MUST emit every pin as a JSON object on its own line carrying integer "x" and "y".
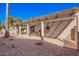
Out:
{"x": 61, "y": 17}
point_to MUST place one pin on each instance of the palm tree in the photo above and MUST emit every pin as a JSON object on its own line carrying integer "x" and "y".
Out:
{"x": 11, "y": 21}
{"x": 17, "y": 21}
{"x": 0, "y": 26}
{"x": 14, "y": 22}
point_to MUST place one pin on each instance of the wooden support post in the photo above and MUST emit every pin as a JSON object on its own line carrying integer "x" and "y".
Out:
{"x": 42, "y": 29}
{"x": 27, "y": 30}
{"x": 20, "y": 30}
{"x": 77, "y": 31}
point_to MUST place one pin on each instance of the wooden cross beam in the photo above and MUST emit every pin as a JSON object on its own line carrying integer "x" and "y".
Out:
{"x": 55, "y": 20}
{"x": 52, "y": 20}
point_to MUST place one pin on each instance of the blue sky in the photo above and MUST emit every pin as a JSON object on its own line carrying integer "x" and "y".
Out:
{"x": 27, "y": 10}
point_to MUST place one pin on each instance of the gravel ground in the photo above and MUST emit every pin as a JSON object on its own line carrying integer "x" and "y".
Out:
{"x": 27, "y": 47}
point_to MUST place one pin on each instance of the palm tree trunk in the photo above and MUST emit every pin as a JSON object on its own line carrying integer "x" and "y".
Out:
{"x": 7, "y": 22}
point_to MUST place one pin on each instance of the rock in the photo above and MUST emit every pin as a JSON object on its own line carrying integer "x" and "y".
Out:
{"x": 13, "y": 46}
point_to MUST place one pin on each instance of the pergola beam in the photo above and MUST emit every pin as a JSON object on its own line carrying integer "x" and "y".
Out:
{"x": 62, "y": 19}
{"x": 55, "y": 20}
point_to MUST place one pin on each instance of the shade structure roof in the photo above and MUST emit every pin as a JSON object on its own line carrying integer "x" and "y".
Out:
{"x": 57, "y": 15}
